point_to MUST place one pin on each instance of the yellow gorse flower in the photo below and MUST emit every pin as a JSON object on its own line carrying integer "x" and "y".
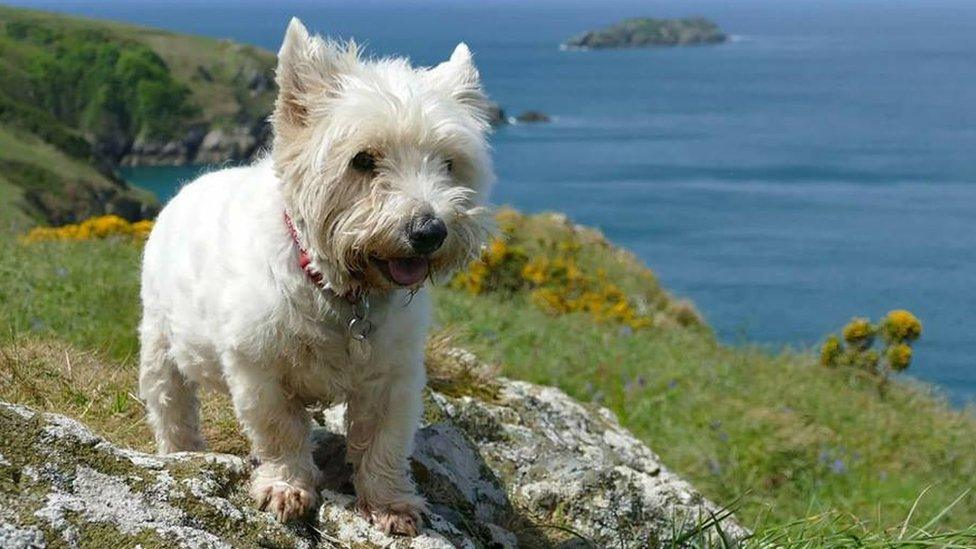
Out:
{"x": 858, "y": 332}
{"x": 901, "y": 326}
{"x": 899, "y": 356}
{"x": 554, "y": 279}
{"x": 899, "y": 329}
{"x": 95, "y": 228}
{"x": 830, "y": 351}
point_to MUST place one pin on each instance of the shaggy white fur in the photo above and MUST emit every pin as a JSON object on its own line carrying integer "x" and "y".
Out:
{"x": 383, "y": 169}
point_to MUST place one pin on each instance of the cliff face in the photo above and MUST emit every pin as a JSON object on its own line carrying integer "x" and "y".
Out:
{"x": 200, "y": 145}
{"x": 519, "y": 465}
{"x": 235, "y": 91}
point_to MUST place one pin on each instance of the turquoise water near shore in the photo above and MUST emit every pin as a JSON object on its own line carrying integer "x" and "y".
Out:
{"x": 819, "y": 166}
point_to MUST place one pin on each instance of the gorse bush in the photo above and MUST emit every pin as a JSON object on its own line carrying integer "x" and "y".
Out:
{"x": 498, "y": 270}
{"x": 855, "y": 348}
{"x": 554, "y": 277}
{"x": 95, "y": 228}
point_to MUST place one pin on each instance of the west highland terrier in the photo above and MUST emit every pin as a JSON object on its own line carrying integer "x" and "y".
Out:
{"x": 300, "y": 279}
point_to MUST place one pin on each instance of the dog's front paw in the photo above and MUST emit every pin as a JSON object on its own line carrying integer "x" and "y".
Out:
{"x": 285, "y": 501}
{"x": 398, "y": 519}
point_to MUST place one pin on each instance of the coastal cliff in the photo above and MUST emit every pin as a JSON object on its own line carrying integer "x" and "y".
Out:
{"x": 80, "y": 97}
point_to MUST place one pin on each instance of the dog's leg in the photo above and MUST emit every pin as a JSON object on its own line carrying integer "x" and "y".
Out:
{"x": 382, "y": 419}
{"x": 279, "y": 428}
{"x": 171, "y": 400}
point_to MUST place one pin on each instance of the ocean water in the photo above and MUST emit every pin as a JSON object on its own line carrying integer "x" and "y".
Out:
{"x": 819, "y": 166}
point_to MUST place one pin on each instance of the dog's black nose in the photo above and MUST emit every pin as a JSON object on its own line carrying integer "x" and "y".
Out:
{"x": 426, "y": 234}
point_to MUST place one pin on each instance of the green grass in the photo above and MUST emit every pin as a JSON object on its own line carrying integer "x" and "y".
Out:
{"x": 16, "y": 145}
{"x": 808, "y": 456}
{"x": 786, "y": 437}
{"x": 85, "y": 293}
{"x": 13, "y": 209}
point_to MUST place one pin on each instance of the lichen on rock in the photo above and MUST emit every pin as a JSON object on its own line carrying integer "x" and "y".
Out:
{"x": 526, "y": 466}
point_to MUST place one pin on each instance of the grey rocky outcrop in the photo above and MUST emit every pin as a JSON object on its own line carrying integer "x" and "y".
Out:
{"x": 533, "y": 117}
{"x": 524, "y": 466}
{"x": 645, "y": 32}
{"x": 200, "y": 145}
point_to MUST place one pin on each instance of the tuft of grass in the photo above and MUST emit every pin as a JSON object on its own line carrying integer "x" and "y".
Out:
{"x": 456, "y": 372}
{"x": 59, "y": 378}
{"x": 835, "y": 529}
{"x": 56, "y": 377}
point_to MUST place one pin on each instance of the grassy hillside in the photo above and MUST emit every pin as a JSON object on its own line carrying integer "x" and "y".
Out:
{"x": 805, "y": 454}
{"x": 80, "y": 95}
{"x": 197, "y": 79}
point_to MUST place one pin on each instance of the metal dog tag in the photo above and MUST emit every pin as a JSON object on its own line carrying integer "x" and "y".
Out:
{"x": 358, "y": 347}
{"x": 358, "y": 330}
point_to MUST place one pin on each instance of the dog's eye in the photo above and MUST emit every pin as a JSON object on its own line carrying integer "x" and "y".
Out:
{"x": 449, "y": 164}
{"x": 364, "y": 162}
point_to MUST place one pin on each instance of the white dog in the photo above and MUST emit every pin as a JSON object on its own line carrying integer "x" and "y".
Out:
{"x": 300, "y": 279}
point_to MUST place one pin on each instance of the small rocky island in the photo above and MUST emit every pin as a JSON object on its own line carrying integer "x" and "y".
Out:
{"x": 645, "y": 32}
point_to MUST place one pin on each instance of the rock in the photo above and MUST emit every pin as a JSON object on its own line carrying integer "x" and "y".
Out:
{"x": 259, "y": 82}
{"x": 496, "y": 114}
{"x": 146, "y": 151}
{"x": 520, "y": 468}
{"x": 220, "y": 144}
{"x": 533, "y": 117}
{"x": 204, "y": 74}
{"x": 131, "y": 208}
{"x": 497, "y": 117}
{"x": 645, "y": 32}
{"x": 64, "y": 484}
{"x": 81, "y": 198}
{"x": 201, "y": 145}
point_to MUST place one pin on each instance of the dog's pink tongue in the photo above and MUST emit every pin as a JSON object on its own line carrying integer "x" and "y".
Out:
{"x": 408, "y": 271}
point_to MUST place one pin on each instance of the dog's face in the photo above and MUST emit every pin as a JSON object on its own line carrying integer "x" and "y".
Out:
{"x": 385, "y": 167}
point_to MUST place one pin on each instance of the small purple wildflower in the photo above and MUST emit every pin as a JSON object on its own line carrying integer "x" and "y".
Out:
{"x": 838, "y": 467}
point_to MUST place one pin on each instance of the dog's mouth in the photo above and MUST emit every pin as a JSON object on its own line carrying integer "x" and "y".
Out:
{"x": 403, "y": 271}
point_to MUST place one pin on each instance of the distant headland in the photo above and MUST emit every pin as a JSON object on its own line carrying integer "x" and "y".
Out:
{"x": 646, "y": 32}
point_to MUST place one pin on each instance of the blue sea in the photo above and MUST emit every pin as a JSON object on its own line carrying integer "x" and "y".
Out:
{"x": 819, "y": 166}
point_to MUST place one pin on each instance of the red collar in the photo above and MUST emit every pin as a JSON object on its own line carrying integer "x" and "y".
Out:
{"x": 304, "y": 260}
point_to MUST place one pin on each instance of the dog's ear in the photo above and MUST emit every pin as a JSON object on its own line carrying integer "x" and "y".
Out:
{"x": 462, "y": 80}
{"x": 307, "y": 68}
